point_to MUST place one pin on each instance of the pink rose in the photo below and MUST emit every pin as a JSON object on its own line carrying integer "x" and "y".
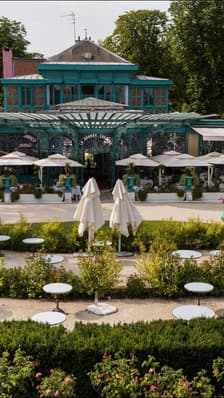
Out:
{"x": 57, "y": 393}
{"x": 152, "y": 388}
{"x": 151, "y": 370}
{"x": 37, "y": 387}
{"x": 48, "y": 392}
{"x": 51, "y": 371}
{"x": 68, "y": 380}
{"x": 38, "y": 375}
{"x": 185, "y": 384}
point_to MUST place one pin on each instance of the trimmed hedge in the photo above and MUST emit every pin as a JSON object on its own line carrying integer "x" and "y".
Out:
{"x": 190, "y": 345}
{"x": 63, "y": 237}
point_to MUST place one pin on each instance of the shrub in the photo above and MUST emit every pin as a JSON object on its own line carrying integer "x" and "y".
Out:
{"x": 57, "y": 384}
{"x": 197, "y": 192}
{"x": 135, "y": 286}
{"x": 16, "y": 375}
{"x": 142, "y": 195}
{"x": 53, "y": 235}
{"x": 120, "y": 378}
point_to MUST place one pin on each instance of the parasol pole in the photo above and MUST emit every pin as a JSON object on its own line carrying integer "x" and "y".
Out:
{"x": 119, "y": 243}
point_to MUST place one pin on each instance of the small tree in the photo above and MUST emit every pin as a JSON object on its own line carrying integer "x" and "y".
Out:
{"x": 99, "y": 270}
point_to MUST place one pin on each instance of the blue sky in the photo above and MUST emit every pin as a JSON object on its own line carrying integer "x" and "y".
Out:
{"x": 49, "y": 24}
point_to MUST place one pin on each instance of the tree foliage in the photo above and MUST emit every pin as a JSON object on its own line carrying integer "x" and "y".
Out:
{"x": 196, "y": 38}
{"x": 138, "y": 37}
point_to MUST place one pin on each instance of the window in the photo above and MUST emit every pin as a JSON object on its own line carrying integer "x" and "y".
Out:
{"x": 70, "y": 92}
{"x": 12, "y": 94}
{"x": 38, "y": 95}
{"x": 55, "y": 94}
{"x": 105, "y": 92}
{"x": 148, "y": 96}
{"x": 120, "y": 94}
{"x": 161, "y": 96}
{"x": 87, "y": 90}
{"x": 26, "y": 93}
{"x": 136, "y": 96}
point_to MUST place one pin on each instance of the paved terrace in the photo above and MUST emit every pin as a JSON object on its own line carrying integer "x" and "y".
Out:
{"x": 128, "y": 310}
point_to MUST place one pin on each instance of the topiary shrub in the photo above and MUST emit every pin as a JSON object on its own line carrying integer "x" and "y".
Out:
{"x": 142, "y": 195}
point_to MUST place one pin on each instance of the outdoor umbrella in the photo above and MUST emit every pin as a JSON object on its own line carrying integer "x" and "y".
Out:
{"x": 124, "y": 213}
{"x": 17, "y": 158}
{"x": 138, "y": 160}
{"x": 89, "y": 211}
{"x": 56, "y": 160}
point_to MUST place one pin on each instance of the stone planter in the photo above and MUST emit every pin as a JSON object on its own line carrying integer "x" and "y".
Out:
{"x": 45, "y": 198}
{"x": 167, "y": 197}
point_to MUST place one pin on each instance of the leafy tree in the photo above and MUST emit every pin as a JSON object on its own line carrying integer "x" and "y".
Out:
{"x": 13, "y": 35}
{"x": 138, "y": 37}
{"x": 99, "y": 270}
{"x": 196, "y": 39}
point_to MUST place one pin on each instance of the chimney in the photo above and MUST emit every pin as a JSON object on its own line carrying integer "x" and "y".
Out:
{"x": 7, "y": 62}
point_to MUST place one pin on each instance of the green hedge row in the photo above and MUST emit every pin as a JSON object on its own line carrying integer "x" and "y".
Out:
{"x": 191, "y": 346}
{"x": 63, "y": 236}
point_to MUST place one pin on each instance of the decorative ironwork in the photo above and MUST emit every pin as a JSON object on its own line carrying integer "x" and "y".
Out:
{"x": 61, "y": 144}
{"x": 95, "y": 143}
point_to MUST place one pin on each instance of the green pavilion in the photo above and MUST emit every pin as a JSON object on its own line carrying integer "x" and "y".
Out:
{"x": 92, "y": 106}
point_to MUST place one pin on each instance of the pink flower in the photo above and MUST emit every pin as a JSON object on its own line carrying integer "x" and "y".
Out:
{"x": 68, "y": 380}
{"x": 151, "y": 370}
{"x": 136, "y": 379}
{"x": 48, "y": 392}
{"x": 152, "y": 388}
{"x": 38, "y": 375}
{"x": 57, "y": 393}
{"x": 190, "y": 389}
{"x": 37, "y": 387}
{"x": 105, "y": 355}
{"x": 51, "y": 371}
{"x": 185, "y": 384}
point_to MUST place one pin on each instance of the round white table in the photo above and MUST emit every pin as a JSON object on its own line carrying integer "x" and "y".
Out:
{"x": 53, "y": 258}
{"x": 101, "y": 243}
{"x": 187, "y": 253}
{"x": 52, "y": 318}
{"x": 188, "y": 312}
{"x": 216, "y": 253}
{"x": 198, "y": 287}
{"x": 33, "y": 242}
{"x": 57, "y": 289}
{"x": 3, "y": 238}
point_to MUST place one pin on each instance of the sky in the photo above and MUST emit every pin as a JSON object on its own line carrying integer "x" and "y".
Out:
{"x": 52, "y": 26}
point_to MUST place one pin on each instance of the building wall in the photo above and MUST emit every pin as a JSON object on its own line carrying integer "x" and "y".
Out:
{"x": 22, "y": 67}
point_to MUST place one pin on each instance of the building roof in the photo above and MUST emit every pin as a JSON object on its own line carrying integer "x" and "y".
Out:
{"x": 90, "y": 103}
{"x": 87, "y": 51}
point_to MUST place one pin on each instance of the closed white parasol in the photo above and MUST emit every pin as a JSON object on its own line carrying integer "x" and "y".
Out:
{"x": 124, "y": 213}
{"x": 89, "y": 211}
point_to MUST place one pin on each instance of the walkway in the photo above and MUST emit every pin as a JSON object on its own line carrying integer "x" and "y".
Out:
{"x": 181, "y": 211}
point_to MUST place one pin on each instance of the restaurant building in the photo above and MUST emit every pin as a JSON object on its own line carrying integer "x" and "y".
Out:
{"x": 92, "y": 106}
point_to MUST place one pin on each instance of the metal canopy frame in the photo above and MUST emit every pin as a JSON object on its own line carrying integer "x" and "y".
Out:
{"x": 97, "y": 121}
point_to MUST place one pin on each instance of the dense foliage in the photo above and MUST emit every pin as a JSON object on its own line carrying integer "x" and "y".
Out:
{"x": 186, "y": 46}
{"x": 158, "y": 353}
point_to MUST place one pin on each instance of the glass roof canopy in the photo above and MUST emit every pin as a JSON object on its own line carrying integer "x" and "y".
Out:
{"x": 101, "y": 120}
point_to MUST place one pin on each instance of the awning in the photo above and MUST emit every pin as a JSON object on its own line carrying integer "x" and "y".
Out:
{"x": 210, "y": 133}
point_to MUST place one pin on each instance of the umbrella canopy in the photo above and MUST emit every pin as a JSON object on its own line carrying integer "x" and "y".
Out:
{"x": 89, "y": 211}
{"x": 57, "y": 160}
{"x": 17, "y": 158}
{"x": 138, "y": 160}
{"x": 124, "y": 213}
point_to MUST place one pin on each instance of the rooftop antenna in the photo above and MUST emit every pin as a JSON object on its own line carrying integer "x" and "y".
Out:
{"x": 85, "y": 33}
{"x": 72, "y": 15}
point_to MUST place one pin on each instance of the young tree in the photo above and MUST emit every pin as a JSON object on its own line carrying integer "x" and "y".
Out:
{"x": 99, "y": 270}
